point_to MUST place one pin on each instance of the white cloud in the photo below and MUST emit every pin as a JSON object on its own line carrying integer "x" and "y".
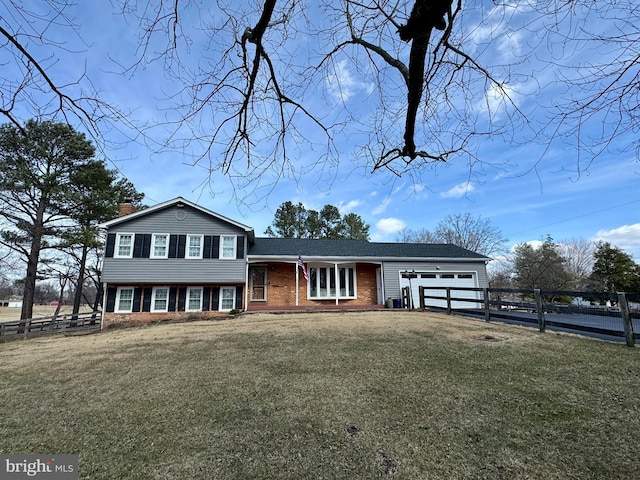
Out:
{"x": 626, "y": 237}
{"x": 389, "y": 226}
{"x": 342, "y": 85}
{"x": 381, "y": 207}
{"x": 348, "y": 207}
{"x": 458, "y": 191}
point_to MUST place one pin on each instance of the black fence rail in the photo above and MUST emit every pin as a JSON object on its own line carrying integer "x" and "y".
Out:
{"x": 67, "y": 323}
{"x": 610, "y": 315}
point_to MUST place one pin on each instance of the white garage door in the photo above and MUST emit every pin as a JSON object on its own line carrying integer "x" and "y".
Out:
{"x": 442, "y": 279}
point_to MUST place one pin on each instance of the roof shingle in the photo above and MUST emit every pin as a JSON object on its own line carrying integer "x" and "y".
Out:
{"x": 357, "y": 248}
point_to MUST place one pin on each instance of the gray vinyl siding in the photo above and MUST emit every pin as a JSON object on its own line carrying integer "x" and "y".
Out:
{"x": 176, "y": 270}
{"x": 391, "y": 272}
{"x": 172, "y": 270}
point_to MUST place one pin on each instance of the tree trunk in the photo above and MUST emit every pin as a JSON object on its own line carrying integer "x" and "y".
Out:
{"x": 77, "y": 299}
{"x": 29, "y": 291}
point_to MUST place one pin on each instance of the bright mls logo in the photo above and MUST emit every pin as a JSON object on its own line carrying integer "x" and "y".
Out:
{"x": 50, "y": 467}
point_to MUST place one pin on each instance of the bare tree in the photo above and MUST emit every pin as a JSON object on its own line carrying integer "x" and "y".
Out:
{"x": 272, "y": 82}
{"x": 593, "y": 50}
{"x": 35, "y": 37}
{"x": 273, "y": 88}
{"x": 463, "y": 229}
{"x": 578, "y": 260}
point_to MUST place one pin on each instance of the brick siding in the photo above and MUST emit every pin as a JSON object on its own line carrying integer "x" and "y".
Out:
{"x": 281, "y": 289}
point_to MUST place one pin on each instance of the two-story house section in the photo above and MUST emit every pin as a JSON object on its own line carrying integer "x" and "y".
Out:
{"x": 175, "y": 257}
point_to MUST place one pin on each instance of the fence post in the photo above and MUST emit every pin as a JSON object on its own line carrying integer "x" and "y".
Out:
{"x": 448, "y": 300}
{"x": 539, "y": 309}
{"x": 487, "y": 307}
{"x": 626, "y": 319}
{"x": 421, "y": 294}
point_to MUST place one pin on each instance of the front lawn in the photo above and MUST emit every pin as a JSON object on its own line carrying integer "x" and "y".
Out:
{"x": 339, "y": 395}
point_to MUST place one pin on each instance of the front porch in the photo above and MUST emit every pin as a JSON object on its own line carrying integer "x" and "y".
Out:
{"x": 282, "y": 286}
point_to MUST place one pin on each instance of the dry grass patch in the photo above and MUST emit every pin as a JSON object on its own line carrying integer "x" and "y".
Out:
{"x": 340, "y": 395}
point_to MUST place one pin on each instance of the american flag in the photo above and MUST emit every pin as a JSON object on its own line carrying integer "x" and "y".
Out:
{"x": 304, "y": 269}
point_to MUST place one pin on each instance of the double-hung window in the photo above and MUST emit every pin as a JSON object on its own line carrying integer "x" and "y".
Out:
{"x": 227, "y": 298}
{"x": 124, "y": 300}
{"x": 124, "y": 245}
{"x": 194, "y": 246}
{"x": 194, "y": 299}
{"x": 326, "y": 283}
{"x": 160, "y": 299}
{"x": 160, "y": 245}
{"x": 228, "y": 247}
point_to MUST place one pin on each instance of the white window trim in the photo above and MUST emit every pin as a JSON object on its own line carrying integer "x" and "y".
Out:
{"x": 153, "y": 245}
{"x": 186, "y": 307}
{"x": 116, "y": 307}
{"x": 235, "y": 246}
{"x": 153, "y": 300}
{"x": 221, "y": 298}
{"x": 116, "y": 250}
{"x": 336, "y": 269}
{"x": 186, "y": 247}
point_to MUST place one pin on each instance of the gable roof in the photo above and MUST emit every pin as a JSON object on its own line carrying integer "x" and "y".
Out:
{"x": 327, "y": 248}
{"x": 171, "y": 203}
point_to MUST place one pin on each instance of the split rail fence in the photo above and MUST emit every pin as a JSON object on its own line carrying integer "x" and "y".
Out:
{"x": 66, "y": 323}
{"x": 590, "y": 313}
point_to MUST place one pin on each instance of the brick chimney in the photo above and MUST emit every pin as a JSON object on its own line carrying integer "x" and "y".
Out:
{"x": 125, "y": 209}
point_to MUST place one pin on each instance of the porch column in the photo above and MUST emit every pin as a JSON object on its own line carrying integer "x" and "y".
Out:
{"x": 336, "y": 272}
{"x": 295, "y": 265}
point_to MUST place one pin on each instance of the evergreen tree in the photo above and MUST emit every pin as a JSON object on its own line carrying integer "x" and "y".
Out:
{"x": 614, "y": 270}
{"x": 37, "y": 167}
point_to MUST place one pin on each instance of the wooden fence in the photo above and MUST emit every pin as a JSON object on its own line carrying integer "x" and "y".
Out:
{"x": 67, "y": 323}
{"x": 602, "y": 314}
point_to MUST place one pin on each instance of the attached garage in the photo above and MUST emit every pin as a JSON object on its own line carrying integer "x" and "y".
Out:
{"x": 437, "y": 282}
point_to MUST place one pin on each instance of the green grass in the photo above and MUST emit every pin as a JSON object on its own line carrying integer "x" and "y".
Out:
{"x": 341, "y": 395}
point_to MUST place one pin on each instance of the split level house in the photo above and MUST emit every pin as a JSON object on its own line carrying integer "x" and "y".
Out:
{"x": 179, "y": 260}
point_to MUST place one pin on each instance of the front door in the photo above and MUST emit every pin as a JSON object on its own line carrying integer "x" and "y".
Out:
{"x": 258, "y": 286}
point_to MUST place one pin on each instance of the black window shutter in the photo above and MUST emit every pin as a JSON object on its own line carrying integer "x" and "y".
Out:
{"x": 239, "y": 247}
{"x": 137, "y": 296}
{"x": 111, "y": 245}
{"x": 206, "y": 298}
{"x": 207, "y": 246}
{"x": 146, "y": 301}
{"x": 216, "y": 298}
{"x": 215, "y": 247}
{"x": 137, "y": 246}
{"x": 173, "y": 246}
{"x": 182, "y": 299}
{"x": 239, "y": 298}
{"x": 111, "y": 299}
{"x": 146, "y": 245}
{"x": 172, "y": 299}
{"x": 182, "y": 242}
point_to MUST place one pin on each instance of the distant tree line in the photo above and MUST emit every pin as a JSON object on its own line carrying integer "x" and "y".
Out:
{"x": 578, "y": 265}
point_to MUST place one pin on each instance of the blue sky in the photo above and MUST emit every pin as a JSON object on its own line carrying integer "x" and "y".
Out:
{"x": 525, "y": 186}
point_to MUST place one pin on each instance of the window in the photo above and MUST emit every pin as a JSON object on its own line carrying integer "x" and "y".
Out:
{"x": 160, "y": 299}
{"x": 124, "y": 300}
{"x": 227, "y": 298}
{"x": 228, "y": 246}
{"x": 465, "y": 275}
{"x": 194, "y": 246}
{"x": 194, "y": 299}
{"x": 447, "y": 275}
{"x": 323, "y": 284}
{"x": 124, "y": 245}
{"x": 160, "y": 245}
